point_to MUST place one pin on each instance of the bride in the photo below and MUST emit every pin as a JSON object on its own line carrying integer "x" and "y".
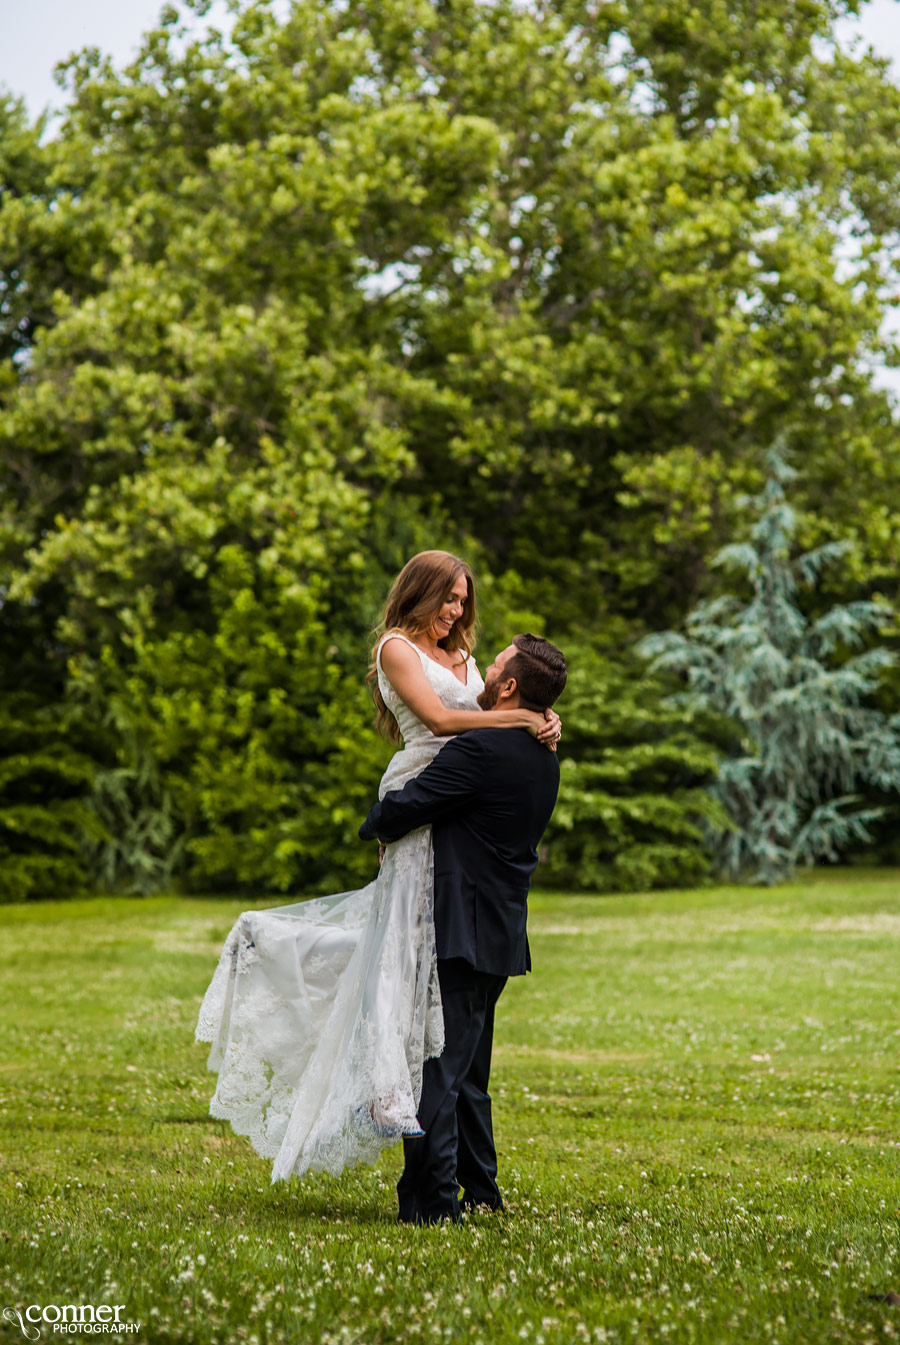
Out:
{"x": 322, "y": 1014}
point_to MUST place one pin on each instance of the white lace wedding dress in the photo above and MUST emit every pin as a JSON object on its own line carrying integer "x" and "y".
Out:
{"x": 322, "y": 1014}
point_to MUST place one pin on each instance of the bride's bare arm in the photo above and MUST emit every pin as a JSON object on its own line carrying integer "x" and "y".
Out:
{"x": 403, "y": 668}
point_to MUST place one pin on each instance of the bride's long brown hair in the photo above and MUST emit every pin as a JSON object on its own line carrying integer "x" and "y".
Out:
{"x": 416, "y": 597}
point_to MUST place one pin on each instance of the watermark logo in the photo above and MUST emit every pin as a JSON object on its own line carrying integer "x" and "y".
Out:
{"x": 14, "y": 1315}
{"x": 86, "y": 1319}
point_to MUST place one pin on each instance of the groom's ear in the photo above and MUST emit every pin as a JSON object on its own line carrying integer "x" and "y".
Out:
{"x": 509, "y": 688}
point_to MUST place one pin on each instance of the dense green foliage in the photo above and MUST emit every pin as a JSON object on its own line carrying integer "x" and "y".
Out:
{"x": 801, "y": 691}
{"x": 534, "y": 281}
{"x": 634, "y": 808}
{"x": 44, "y": 813}
{"x": 699, "y": 1146}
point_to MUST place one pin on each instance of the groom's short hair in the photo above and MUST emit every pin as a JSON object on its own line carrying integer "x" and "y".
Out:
{"x": 539, "y": 669}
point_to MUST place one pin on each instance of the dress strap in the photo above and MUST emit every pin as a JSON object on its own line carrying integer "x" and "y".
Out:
{"x": 396, "y": 635}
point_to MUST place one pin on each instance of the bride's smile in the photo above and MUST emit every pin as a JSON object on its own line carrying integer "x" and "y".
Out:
{"x": 451, "y": 610}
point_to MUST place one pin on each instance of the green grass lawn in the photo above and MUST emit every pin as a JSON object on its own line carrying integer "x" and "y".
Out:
{"x": 697, "y": 1107}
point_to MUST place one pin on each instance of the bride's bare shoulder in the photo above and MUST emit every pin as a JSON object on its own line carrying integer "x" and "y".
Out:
{"x": 397, "y": 649}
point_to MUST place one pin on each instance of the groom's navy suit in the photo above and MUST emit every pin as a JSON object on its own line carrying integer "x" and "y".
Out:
{"x": 488, "y": 796}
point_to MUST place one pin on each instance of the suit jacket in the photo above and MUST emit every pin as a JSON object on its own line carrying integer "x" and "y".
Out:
{"x": 488, "y": 796}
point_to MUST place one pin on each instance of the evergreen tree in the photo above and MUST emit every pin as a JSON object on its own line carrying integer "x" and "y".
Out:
{"x": 634, "y": 802}
{"x": 799, "y": 687}
{"x": 46, "y": 821}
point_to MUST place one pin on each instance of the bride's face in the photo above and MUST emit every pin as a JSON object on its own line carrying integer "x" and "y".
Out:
{"x": 451, "y": 609}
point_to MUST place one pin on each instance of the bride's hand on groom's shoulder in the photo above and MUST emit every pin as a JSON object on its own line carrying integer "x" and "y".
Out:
{"x": 548, "y": 728}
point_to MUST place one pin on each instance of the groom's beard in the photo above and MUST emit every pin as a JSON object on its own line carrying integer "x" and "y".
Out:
{"x": 491, "y": 694}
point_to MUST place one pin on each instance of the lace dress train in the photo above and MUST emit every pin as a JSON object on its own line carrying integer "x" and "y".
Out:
{"x": 321, "y": 1014}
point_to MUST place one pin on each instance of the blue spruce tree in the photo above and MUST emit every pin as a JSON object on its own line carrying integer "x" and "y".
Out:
{"x": 800, "y": 691}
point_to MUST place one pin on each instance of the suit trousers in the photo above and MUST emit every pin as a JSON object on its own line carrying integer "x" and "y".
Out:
{"x": 457, "y": 1148}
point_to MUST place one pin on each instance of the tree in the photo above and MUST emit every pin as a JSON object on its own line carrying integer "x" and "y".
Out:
{"x": 531, "y": 280}
{"x": 46, "y": 821}
{"x": 800, "y": 694}
{"x": 634, "y": 805}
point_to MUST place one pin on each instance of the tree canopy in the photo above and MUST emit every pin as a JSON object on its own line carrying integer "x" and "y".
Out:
{"x": 537, "y": 280}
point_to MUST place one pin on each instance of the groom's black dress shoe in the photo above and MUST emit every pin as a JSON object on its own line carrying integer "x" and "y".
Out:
{"x": 409, "y": 1210}
{"x": 410, "y": 1213}
{"x": 495, "y": 1204}
{"x": 430, "y": 1219}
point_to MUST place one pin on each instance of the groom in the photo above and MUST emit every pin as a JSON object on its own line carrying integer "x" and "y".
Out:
{"x": 488, "y": 796}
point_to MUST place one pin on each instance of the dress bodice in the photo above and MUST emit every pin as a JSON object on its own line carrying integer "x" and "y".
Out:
{"x": 419, "y": 743}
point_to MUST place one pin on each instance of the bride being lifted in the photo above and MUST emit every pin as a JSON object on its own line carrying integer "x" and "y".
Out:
{"x": 322, "y": 1014}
